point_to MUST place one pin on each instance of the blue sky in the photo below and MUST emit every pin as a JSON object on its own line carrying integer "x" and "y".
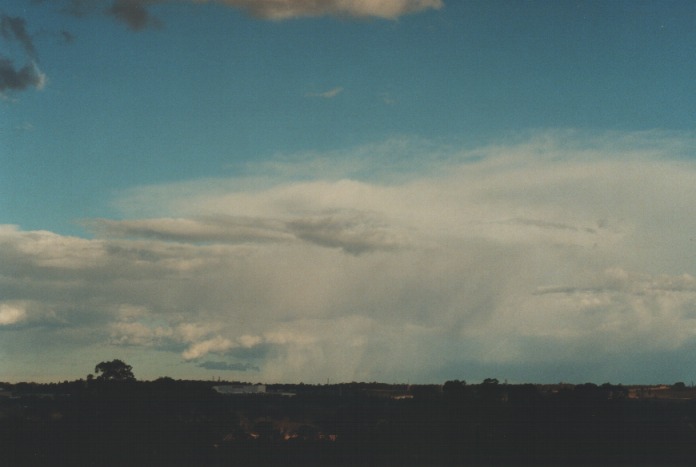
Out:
{"x": 404, "y": 189}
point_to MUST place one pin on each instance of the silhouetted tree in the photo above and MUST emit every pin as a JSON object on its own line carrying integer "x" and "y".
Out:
{"x": 454, "y": 389}
{"x": 115, "y": 370}
{"x": 490, "y": 390}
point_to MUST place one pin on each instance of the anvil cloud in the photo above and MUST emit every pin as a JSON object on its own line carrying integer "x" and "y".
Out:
{"x": 539, "y": 259}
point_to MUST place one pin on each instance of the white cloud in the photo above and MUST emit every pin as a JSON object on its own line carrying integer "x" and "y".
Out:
{"x": 199, "y": 349}
{"x": 282, "y": 9}
{"x": 330, "y": 94}
{"x": 564, "y": 252}
{"x": 250, "y": 341}
{"x": 12, "y": 313}
{"x": 137, "y": 333}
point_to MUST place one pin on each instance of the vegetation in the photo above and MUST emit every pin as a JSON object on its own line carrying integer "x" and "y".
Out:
{"x": 115, "y": 370}
{"x": 120, "y": 421}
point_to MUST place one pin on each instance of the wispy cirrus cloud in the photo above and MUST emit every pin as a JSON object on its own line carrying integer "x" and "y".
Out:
{"x": 330, "y": 94}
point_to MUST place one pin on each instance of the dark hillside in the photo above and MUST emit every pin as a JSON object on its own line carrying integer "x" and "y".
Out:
{"x": 169, "y": 422}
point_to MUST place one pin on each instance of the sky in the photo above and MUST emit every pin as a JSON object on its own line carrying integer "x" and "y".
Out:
{"x": 348, "y": 190}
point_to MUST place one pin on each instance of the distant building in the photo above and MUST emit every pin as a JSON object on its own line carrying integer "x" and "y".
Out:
{"x": 240, "y": 389}
{"x": 400, "y": 397}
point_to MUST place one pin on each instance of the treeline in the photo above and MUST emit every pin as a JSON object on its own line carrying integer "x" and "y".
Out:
{"x": 174, "y": 422}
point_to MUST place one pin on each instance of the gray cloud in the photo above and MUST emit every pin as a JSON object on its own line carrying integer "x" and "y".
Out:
{"x": 617, "y": 280}
{"x": 15, "y": 78}
{"x": 18, "y": 79}
{"x": 77, "y": 8}
{"x": 228, "y": 229}
{"x": 549, "y": 225}
{"x": 352, "y": 232}
{"x": 225, "y": 366}
{"x": 14, "y": 28}
{"x": 66, "y": 37}
{"x": 256, "y": 352}
{"x": 133, "y": 13}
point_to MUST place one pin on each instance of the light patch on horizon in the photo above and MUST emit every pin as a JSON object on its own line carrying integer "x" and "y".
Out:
{"x": 563, "y": 249}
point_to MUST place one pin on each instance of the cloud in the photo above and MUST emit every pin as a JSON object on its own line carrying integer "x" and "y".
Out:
{"x": 18, "y": 79}
{"x": 230, "y": 229}
{"x": 133, "y": 13}
{"x": 77, "y": 8}
{"x": 563, "y": 255}
{"x": 66, "y": 37}
{"x": 26, "y": 126}
{"x": 12, "y": 313}
{"x": 224, "y": 366}
{"x": 353, "y": 232}
{"x": 549, "y": 225}
{"x": 14, "y": 28}
{"x": 330, "y": 94}
{"x": 13, "y": 78}
{"x": 216, "y": 344}
{"x": 388, "y": 99}
{"x": 139, "y": 334}
{"x": 220, "y": 345}
{"x": 280, "y": 10}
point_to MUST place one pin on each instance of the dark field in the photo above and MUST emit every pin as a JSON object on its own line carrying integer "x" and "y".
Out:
{"x": 169, "y": 422}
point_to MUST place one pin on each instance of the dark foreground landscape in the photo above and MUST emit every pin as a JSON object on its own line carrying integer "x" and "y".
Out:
{"x": 199, "y": 423}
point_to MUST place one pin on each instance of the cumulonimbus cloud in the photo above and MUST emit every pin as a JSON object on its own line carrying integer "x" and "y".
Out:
{"x": 565, "y": 256}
